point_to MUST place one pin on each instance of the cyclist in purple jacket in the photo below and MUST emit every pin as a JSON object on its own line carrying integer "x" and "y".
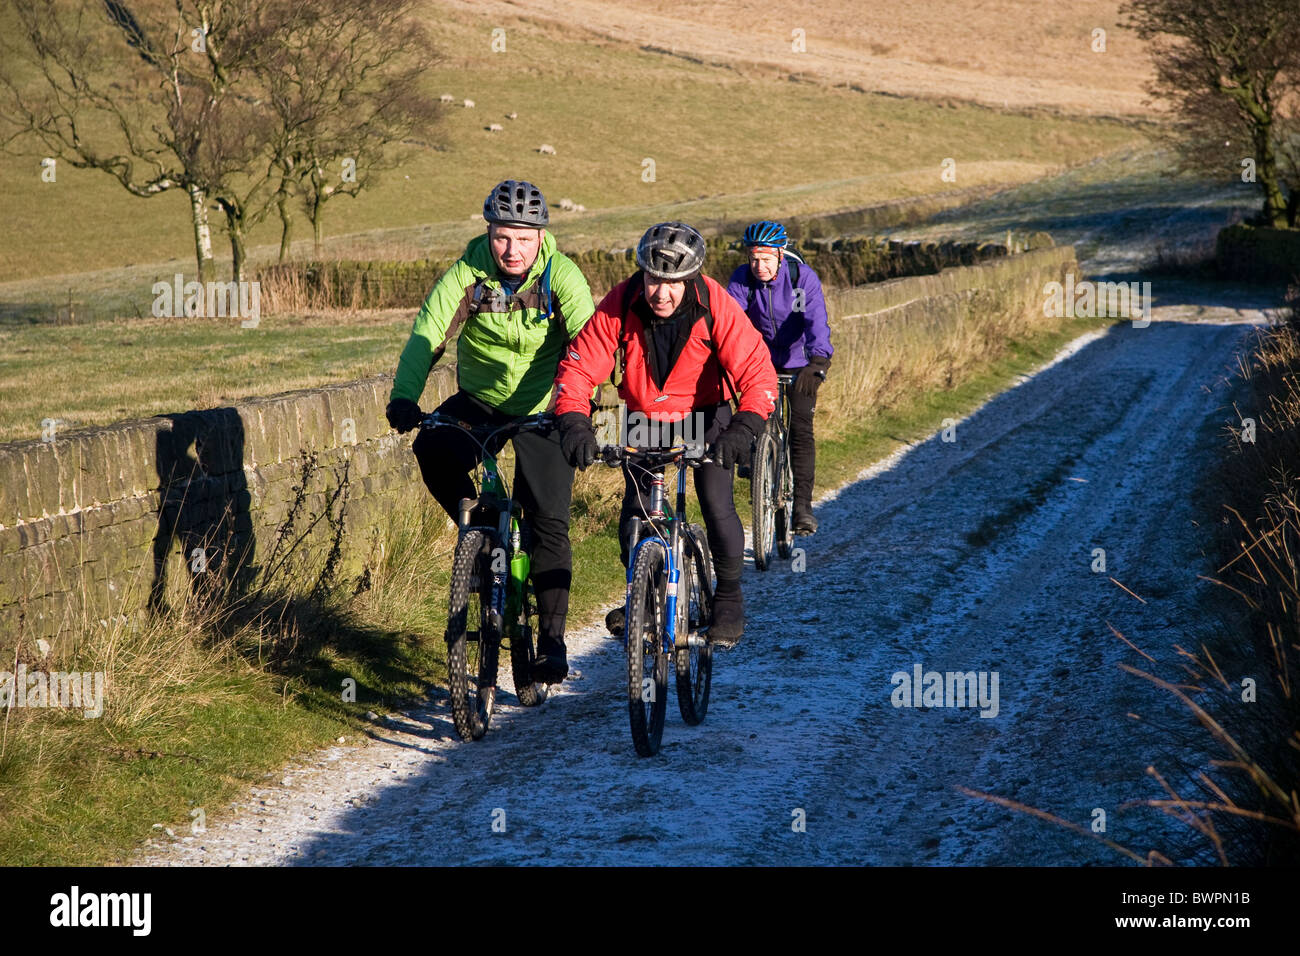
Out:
{"x": 783, "y": 298}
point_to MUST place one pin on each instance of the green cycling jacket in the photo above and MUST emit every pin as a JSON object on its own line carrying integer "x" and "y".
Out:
{"x": 507, "y": 353}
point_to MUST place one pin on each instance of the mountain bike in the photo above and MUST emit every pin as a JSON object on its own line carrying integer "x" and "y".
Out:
{"x": 491, "y": 592}
{"x": 669, "y": 603}
{"x": 771, "y": 483}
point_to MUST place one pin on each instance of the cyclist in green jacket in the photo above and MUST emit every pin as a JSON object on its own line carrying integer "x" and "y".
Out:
{"x": 517, "y": 302}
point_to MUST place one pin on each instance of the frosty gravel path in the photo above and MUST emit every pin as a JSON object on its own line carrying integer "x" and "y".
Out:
{"x": 970, "y": 555}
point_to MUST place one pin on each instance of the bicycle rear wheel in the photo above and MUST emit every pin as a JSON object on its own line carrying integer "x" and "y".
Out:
{"x": 473, "y": 643}
{"x": 761, "y": 494}
{"x": 647, "y": 661}
{"x": 784, "y": 523}
{"x": 694, "y": 664}
{"x": 523, "y": 652}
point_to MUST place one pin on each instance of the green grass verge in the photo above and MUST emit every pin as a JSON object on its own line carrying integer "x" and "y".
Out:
{"x": 144, "y": 367}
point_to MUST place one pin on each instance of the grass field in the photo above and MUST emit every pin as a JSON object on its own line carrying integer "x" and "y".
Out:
{"x": 135, "y": 368}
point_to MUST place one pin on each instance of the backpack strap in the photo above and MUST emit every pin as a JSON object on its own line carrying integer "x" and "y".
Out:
{"x": 702, "y": 290}
{"x": 477, "y": 299}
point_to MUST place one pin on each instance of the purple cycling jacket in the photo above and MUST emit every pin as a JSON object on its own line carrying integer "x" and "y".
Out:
{"x": 791, "y": 336}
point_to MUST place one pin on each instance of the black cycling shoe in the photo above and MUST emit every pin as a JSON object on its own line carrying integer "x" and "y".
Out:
{"x": 803, "y": 520}
{"x": 728, "y": 616}
{"x": 616, "y": 620}
{"x": 551, "y": 665}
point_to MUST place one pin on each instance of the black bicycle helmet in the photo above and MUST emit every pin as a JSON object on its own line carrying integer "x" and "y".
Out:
{"x": 670, "y": 251}
{"x": 516, "y": 203}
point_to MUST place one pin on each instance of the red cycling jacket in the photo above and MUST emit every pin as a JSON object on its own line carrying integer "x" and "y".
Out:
{"x": 694, "y": 381}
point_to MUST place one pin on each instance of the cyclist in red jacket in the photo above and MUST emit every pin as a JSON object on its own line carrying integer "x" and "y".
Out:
{"x": 680, "y": 332}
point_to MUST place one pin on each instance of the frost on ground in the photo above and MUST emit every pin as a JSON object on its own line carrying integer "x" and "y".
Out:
{"x": 975, "y": 554}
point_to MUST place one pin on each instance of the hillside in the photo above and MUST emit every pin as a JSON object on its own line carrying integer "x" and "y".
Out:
{"x": 596, "y": 82}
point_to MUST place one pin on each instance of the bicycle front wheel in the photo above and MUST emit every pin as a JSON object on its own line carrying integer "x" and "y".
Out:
{"x": 694, "y": 663}
{"x": 762, "y": 492}
{"x": 647, "y": 661}
{"x": 473, "y": 642}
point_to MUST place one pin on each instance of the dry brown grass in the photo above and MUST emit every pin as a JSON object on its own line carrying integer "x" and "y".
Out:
{"x": 896, "y": 359}
{"x": 1016, "y": 53}
{"x": 1260, "y": 545}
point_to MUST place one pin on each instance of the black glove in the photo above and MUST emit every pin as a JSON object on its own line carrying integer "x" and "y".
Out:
{"x": 403, "y": 414}
{"x": 812, "y": 375}
{"x": 737, "y": 439}
{"x": 577, "y": 439}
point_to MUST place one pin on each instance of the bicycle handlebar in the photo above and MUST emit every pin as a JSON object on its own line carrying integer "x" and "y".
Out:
{"x": 613, "y": 455}
{"x": 484, "y": 433}
{"x": 787, "y": 378}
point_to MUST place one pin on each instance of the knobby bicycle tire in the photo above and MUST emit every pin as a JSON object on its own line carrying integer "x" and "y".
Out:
{"x": 644, "y": 635}
{"x": 760, "y": 488}
{"x": 471, "y": 703}
{"x": 784, "y": 519}
{"x": 694, "y": 665}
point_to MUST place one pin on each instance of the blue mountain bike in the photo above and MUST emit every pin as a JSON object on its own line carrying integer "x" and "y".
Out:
{"x": 669, "y": 603}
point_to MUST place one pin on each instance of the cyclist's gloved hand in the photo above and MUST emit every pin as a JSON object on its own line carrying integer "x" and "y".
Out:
{"x": 734, "y": 443}
{"x": 812, "y": 375}
{"x": 577, "y": 439}
{"x": 403, "y": 414}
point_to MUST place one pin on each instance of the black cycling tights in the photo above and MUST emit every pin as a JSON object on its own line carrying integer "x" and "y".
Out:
{"x": 543, "y": 485}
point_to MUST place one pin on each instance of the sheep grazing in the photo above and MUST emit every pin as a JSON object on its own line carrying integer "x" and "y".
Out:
{"x": 494, "y": 128}
{"x": 446, "y": 98}
{"x": 469, "y": 104}
{"x": 546, "y": 149}
{"x": 566, "y": 203}
{"x": 512, "y": 116}
{"x": 579, "y": 208}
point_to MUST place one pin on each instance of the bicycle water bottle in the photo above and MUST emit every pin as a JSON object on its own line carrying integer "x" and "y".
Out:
{"x": 519, "y": 563}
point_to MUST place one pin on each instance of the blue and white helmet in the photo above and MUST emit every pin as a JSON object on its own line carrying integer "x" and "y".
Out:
{"x": 765, "y": 233}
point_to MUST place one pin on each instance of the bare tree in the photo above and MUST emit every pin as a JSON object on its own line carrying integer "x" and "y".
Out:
{"x": 130, "y": 90}
{"x": 239, "y": 102}
{"x": 1231, "y": 71}
{"x": 346, "y": 90}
